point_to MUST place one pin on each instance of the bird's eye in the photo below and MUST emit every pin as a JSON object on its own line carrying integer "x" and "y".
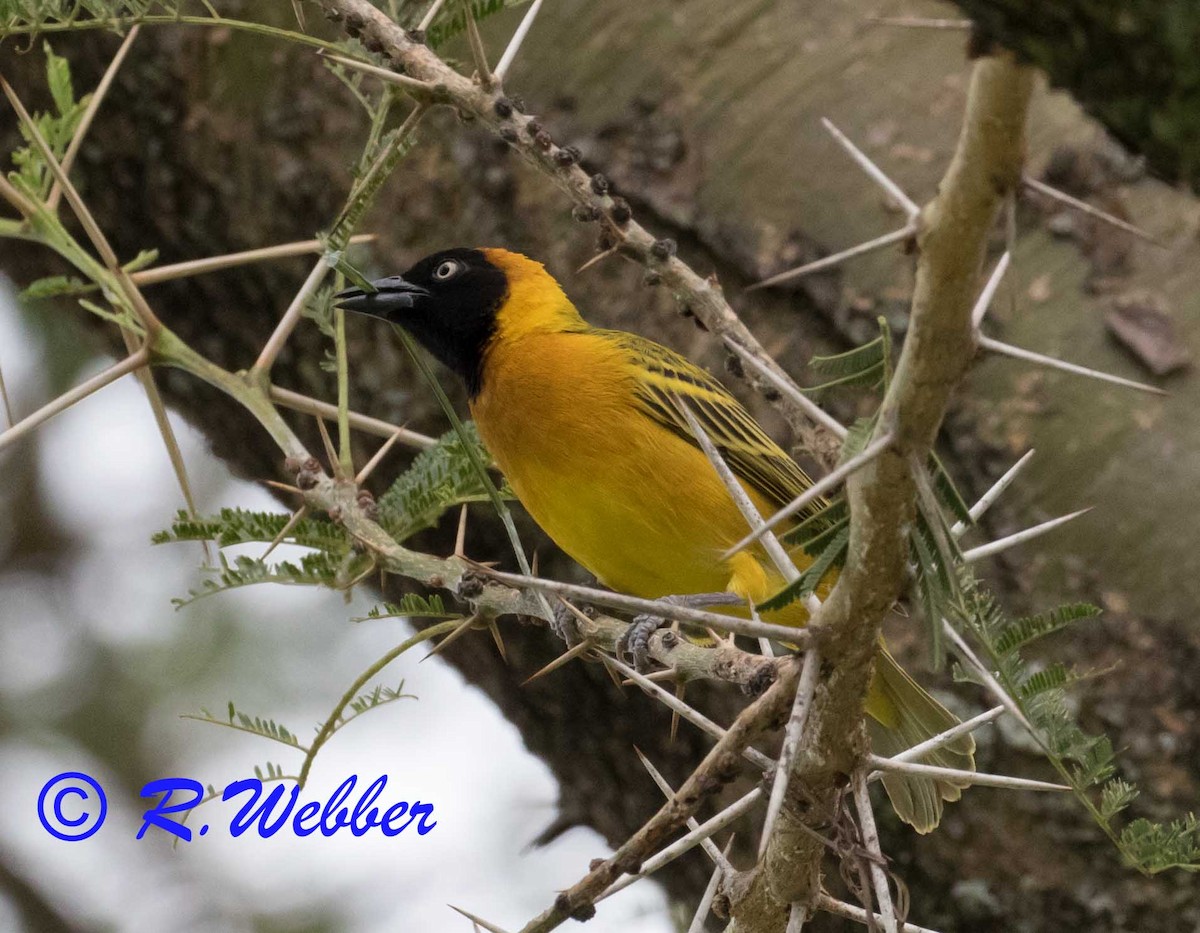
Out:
{"x": 446, "y": 270}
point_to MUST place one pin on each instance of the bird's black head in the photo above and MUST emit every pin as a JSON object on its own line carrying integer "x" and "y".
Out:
{"x": 448, "y": 301}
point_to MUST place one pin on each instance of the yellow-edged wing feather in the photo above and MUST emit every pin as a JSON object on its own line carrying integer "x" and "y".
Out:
{"x": 750, "y": 453}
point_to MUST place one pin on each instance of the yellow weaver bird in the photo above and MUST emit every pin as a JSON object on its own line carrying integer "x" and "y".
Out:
{"x": 582, "y": 423}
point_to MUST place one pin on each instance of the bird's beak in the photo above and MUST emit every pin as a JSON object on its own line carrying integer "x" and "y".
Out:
{"x": 392, "y": 294}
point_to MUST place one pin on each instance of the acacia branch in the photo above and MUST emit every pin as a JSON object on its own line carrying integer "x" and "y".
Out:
{"x": 938, "y": 348}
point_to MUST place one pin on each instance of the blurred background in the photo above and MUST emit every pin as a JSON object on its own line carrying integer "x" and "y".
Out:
{"x": 706, "y": 116}
{"x": 96, "y": 669}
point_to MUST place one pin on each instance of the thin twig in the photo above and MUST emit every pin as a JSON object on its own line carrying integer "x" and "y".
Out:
{"x": 88, "y": 222}
{"x": 475, "y": 41}
{"x": 657, "y": 607}
{"x": 84, "y": 215}
{"x": 179, "y": 270}
{"x": 752, "y": 724}
{"x": 25, "y": 207}
{"x": 365, "y": 423}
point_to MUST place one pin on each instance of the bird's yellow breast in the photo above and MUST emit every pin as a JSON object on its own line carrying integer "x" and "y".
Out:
{"x": 632, "y": 502}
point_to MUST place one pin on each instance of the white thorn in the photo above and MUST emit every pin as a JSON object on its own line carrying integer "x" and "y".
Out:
{"x": 710, "y": 847}
{"x": 657, "y": 607}
{"x": 817, "y": 489}
{"x": 791, "y": 744}
{"x": 986, "y": 500}
{"x": 945, "y": 738}
{"x": 876, "y": 173}
{"x": 514, "y": 44}
{"x": 983, "y": 779}
{"x": 989, "y": 680}
{"x": 700, "y": 919}
{"x": 290, "y": 318}
{"x": 996, "y": 346}
{"x": 1003, "y": 544}
{"x": 121, "y": 368}
{"x": 896, "y": 236}
{"x": 427, "y": 19}
{"x": 692, "y": 715}
{"x": 1084, "y": 207}
{"x": 875, "y": 861}
{"x": 989, "y": 290}
{"x": 740, "y": 497}
{"x": 797, "y": 917}
{"x": 851, "y": 912}
{"x": 383, "y": 74}
{"x": 478, "y": 921}
{"x": 708, "y": 828}
{"x": 788, "y": 388}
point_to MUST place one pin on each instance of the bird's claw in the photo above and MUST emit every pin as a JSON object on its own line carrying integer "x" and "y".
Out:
{"x": 565, "y": 625}
{"x": 634, "y": 643}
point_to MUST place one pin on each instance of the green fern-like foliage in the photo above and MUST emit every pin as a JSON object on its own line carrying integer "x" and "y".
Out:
{"x": 439, "y": 479}
{"x": 426, "y": 607}
{"x": 372, "y": 699}
{"x": 1086, "y": 762}
{"x": 315, "y": 569}
{"x": 242, "y": 526}
{"x": 255, "y": 725}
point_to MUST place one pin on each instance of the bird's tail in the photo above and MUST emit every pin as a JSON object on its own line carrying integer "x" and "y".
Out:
{"x": 903, "y": 715}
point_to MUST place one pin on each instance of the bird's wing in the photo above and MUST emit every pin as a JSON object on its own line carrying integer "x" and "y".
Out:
{"x": 750, "y": 453}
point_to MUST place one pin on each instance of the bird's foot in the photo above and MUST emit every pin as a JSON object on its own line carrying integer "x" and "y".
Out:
{"x": 635, "y": 642}
{"x": 565, "y": 623}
